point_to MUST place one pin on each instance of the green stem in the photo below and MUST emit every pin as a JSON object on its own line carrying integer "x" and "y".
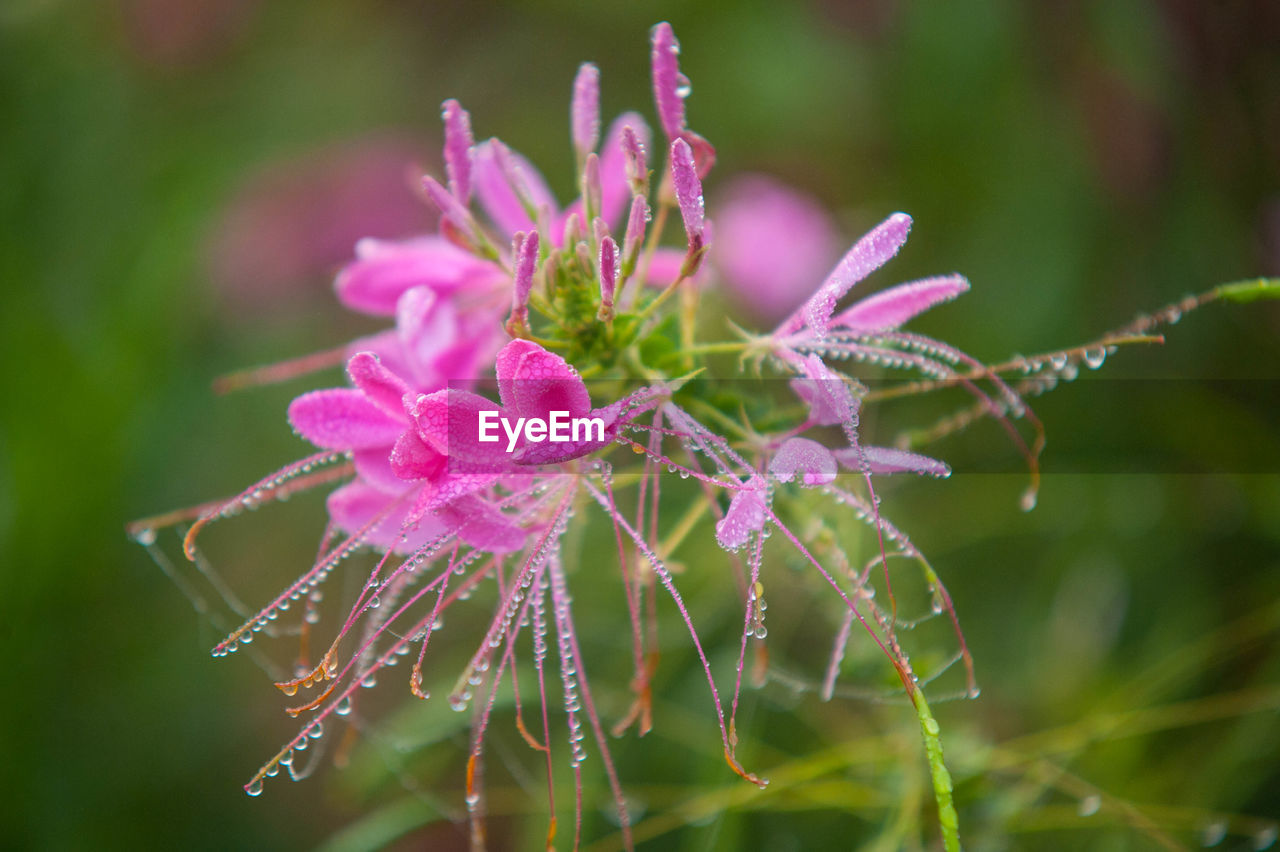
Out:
{"x": 947, "y": 818}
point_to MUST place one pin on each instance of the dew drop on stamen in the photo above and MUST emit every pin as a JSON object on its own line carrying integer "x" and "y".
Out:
{"x": 343, "y": 707}
{"x": 254, "y": 788}
{"x": 1089, "y": 806}
{"x": 1266, "y": 838}
{"x": 1093, "y": 358}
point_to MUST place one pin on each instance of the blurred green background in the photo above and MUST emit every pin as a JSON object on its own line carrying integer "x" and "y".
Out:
{"x": 180, "y": 178}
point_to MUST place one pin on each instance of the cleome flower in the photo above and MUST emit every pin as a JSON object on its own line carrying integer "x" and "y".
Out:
{"x": 467, "y": 441}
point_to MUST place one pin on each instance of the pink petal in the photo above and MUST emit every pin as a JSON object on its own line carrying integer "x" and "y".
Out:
{"x": 448, "y": 422}
{"x": 449, "y": 206}
{"x": 886, "y": 460}
{"x": 868, "y": 254}
{"x": 622, "y": 165}
{"x": 688, "y": 188}
{"x": 772, "y": 243}
{"x": 813, "y": 461}
{"x": 438, "y": 345}
{"x": 745, "y": 516}
{"x": 482, "y": 526}
{"x": 342, "y": 419}
{"x": 830, "y": 400}
{"x": 458, "y": 144}
{"x": 665, "y": 267}
{"x": 380, "y": 385}
{"x": 411, "y": 458}
{"x": 374, "y": 467}
{"x": 670, "y": 87}
{"x": 890, "y": 308}
{"x": 501, "y": 177}
{"x": 384, "y": 270}
{"x": 554, "y": 452}
{"x": 356, "y": 504}
{"x": 585, "y": 109}
{"x": 533, "y": 382}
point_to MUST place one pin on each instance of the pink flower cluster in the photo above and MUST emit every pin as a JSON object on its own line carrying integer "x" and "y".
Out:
{"x": 513, "y": 280}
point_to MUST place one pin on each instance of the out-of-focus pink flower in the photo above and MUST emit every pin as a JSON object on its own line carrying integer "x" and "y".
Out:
{"x": 293, "y": 222}
{"x": 773, "y": 242}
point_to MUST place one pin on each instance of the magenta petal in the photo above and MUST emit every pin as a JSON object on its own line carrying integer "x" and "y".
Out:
{"x": 554, "y": 452}
{"x": 868, "y": 254}
{"x": 886, "y": 460}
{"x": 813, "y": 461}
{"x": 669, "y": 86}
{"x": 411, "y": 458}
{"x": 622, "y": 164}
{"x": 482, "y": 526}
{"x": 504, "y": 182}
{"x": 458, "y": 145}
{"x": 890, "y": 308}
{"x": 584, "y": 113}
{"x": 688, "y": 188}
{"x": 745, "y": 516}
{"x": 384, "y": 270}
{"x": 356, "y": 504}
{"x": 830, "y": 400}
{"x": 449, "y": 206}
{"x": 448, "y": 421}
{"x": 379, "y": 385}
{"x": 342, "y": 419}
{"x": 665, "y": 266}
{"x": 534, "y": 382}
{"x": 374, "y": 467}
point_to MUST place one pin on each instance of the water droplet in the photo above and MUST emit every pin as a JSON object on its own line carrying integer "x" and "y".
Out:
{"x": 1266, "y": 838}
{"x": 931, "y": 726}
{"x": 1214, "y": 833}
{"x": 145, "y": 537}
{"x": 1094, "y": 358}
{"x": 683, "y": 87}
{"x": 1028, "y": 501}
{"x": 1089, "y": 805}
{"x": 254, "y": 787}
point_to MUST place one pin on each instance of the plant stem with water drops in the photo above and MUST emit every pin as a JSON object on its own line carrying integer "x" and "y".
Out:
{"x": 948, "y": 821}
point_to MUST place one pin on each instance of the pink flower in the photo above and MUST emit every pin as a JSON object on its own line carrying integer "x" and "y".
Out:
{"x": 773, "y": 243}
{"x": 384, "y": 270}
